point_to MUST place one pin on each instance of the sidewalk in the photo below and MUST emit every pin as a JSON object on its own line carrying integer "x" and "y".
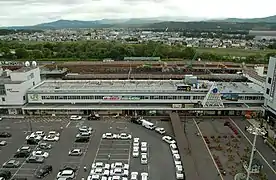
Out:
{"x": 271, "y": 133}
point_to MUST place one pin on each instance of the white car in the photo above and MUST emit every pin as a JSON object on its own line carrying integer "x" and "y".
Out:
{"x": 144, "y": 158}
{"x": 24, "y": 148}
{"x": 135, "y": 152}
{"x": 109, "y": 136}
{"x": 176, "y": 157}
{"x": 176, "y": 163}
{"x": 144, "y": 176}
{"x": 51, "y": 138}
{"x": 124, "y": 136}
{"x": 115, "y": 178}
{"x": 40, "y": 133}
{"x": 134, "y": 176}
{"x": 179, "y": 175}
{"x": 83, "y": 134}
{"x": 93, "y": 177}
{"x": 174, "y": 149}
{"x": 40, "y": 154}
{"x": 119, "y": 172}
{"x": 168, "y": 139}
{"x": 160, "y": 130}
{"x": 100, "y": 165}
{"x": 97, "y": 171}
{"x": 66, "y": 174}
{"x": 179, "y": 168}
{"x": 53, "y": 133}
{"x": 1, "y": 118}
{"x": 119, "y": 165}
{"x": 75, "y": 118}
{"x": 34, "y": 136}
{"x": 136, "y": 142}
{"x": 106, "y": 173}
{"x": 75, "y": 152}
{"x": 85, "y": 129}
{"x": 144, "y": 146}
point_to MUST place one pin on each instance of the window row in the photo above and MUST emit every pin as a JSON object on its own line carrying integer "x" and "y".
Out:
{"x": 122, "y": 97}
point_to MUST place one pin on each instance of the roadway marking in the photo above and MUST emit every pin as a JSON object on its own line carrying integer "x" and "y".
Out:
{"x": 221, "y": 177}
{"x": 68, "y": 124}
{"x": 252, "y": 145}
{"x": 95, "y": 159}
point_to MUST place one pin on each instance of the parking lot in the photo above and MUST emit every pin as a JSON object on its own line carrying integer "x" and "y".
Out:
{"x": 95, "y": 150}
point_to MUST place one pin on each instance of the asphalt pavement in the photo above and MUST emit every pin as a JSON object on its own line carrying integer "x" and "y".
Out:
{"x": 264, "y": 153}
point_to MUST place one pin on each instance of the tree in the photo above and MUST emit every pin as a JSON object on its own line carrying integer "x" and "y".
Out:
{"x": 21, "y": 53}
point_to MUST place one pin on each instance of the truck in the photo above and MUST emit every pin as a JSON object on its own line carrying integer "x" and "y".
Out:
{"x": 148, "y": 124}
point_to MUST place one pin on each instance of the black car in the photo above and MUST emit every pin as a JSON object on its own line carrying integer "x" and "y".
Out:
{"x": 5, "y": 174}
{"x": 5, "y": 135}
{"x": 136, "y": 120}
{"x": 43, "y": 171}
{"x": 32, "y": 141}
{"x": 82, "y": 139}
{"x": 22, "y": 154}
{"x": 93, "y": 117}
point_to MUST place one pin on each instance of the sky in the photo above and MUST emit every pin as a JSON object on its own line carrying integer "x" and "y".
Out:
{"x": 31, "y": 12}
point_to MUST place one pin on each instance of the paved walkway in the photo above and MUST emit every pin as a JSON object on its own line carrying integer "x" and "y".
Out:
{"x": 271, "y": 133}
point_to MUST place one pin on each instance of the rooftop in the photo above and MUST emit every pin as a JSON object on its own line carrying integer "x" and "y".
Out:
{"x": 67, "y": 86}
{"x": 24, "y": 69}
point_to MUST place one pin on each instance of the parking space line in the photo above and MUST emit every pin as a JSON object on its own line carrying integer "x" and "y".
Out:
{"x": 107, "y": 149}
{"x": 103, "y": 154}
{"x": 68, "y": 124}
{"x": 252, "y": 145}
{"x": 95, "y": 159}
{"x": 72, "y": 162}
{"x": 28, "y": 169}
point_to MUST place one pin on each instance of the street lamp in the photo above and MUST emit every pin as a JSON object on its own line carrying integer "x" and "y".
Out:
{"x": 256, "y": 132}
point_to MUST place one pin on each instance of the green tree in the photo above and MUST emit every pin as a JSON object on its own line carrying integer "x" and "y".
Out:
{"x": 21, "y": 53}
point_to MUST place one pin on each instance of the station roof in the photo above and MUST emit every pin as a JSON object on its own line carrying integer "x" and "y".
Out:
{"x": 90, "y": 86}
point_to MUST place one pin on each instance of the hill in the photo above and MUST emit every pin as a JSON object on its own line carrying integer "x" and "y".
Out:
{"x": 270, "y": 19}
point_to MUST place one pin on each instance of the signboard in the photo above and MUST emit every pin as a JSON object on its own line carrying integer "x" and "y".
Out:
{"x": 230, "y": 97}
{"x": 33, "y": 97}
{"x": 117, "y": 98}
{"x": 111, "y": 98}
{"x": 184, "y": 88}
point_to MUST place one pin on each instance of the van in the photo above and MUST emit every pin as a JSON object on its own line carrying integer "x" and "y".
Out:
{"x": 148, "y": 124}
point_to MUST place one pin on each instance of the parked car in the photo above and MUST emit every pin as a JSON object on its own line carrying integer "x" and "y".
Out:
{"x": 5, "y": 174}
{"x": 136, "y": 142}
{"x": 5, "y": 135}
{"x": 85, "y": 129}
{"x": 51, "y": 138}
{"x": 134, "y": 176}
{"x": 168, "y": 139}
{"x": 32, "y": 141}
{"x": 43, "y": 171}
{"x": 160, "y": 130}
{"x": 66, "y": 173}
{"x": 144, "y": 146}
{"x": 22, "y": 154}
{"x": 40, "y": 133}
{"x": 53, "y": 133}
{"x": 144, "y": 158}
{"x": 40, "y": 154}
{"x": 100, "y": 165}
{"x": 135, "y": 151}
{"x": 3, "y": 143}
{"x": 75, "y": 118}
{"x": 82, "y": 139}
{"x": 119, "y": 165}
{"x": 11, "y": 164}
{"x": 136, "y": 120}
{"x": 34, "y": 136}
{"x": 94, "y": 116}
{"x": 35, "y": 159}
{"x": 24, "y": 149}
{"x": 44, "y": 146}
{"x": 109, "y": 136}
{"x": 144, "y": 176}
{"x": 124, "y": 136}
{"x": 83, "y": 134}
{"x": 75, "y": 152}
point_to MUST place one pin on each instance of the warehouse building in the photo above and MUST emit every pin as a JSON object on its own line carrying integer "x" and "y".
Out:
{"x": 14, "y": 86}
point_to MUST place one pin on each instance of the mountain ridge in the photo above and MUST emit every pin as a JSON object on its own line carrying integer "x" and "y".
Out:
{"x": 136, "y": 22}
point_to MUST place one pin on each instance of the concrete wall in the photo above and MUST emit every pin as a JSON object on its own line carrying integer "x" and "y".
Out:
{"x": 270, "y": 85}
{"x": 16, "y": 92}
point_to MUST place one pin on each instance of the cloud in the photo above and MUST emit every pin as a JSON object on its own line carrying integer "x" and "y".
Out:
{"x": 28, "y": 12}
